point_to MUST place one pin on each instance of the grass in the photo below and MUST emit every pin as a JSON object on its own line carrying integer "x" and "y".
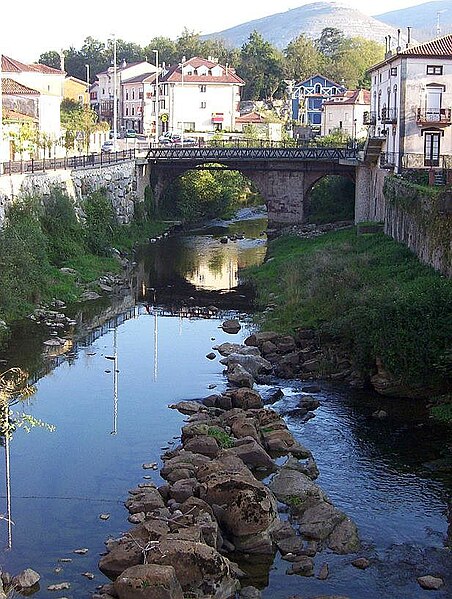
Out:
{"x": 224, "y": 440}
{"x": 366, "y": 292}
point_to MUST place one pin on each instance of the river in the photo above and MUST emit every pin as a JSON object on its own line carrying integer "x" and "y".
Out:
{"x": 107, "y": 398}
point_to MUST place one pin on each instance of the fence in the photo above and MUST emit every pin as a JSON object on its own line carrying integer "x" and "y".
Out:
{"x": 69, "y": 162}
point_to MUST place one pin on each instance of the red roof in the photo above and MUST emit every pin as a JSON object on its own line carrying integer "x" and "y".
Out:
{"x": 442, "y": 46}
{"x": 251, "y": 117}
{"x": 10, "y": 65}
{"x": 174, "y": 74}
{"x": 11, "y": 87}
{"x": 354, "y": 96}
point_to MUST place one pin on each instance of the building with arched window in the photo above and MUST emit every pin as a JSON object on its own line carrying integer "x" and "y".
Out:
{"x": 308, "y": 97}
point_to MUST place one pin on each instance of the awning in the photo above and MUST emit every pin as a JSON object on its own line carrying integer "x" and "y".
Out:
{"x": 217, "y": 117}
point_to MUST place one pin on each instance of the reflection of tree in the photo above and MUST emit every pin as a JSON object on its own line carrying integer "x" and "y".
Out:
{"x": 216, "y": 262}
{"x": 14, "y": 388}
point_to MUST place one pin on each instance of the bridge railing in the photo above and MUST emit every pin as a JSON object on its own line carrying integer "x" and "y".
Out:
{"x": 69, "y": 162}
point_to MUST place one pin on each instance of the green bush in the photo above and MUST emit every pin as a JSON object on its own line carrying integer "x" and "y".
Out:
{"x": 100, "y": 223}
{"x": 331, "y": 199}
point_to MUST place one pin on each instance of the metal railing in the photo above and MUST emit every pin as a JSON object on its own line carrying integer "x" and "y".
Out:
{"x": 419, "y": 161}
{"x": 437, "y": 116}
{"x": 69, "y": 163}
{"x": 389, "y": 159}
{"x": 389, "y": 115}
{"x": 370, "y": 117}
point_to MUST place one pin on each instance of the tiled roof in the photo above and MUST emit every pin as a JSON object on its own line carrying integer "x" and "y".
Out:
{"x": 10, "y": 65}
{"x": 251, "y": 117}
{"x": 147, "y": 77}
{"x": 11, "y": 87}
{"x": 174, "y": 74}
{"x": 442, "y": 46}
{"x": 13, "y": 115}
{"x": 355, "y": 96}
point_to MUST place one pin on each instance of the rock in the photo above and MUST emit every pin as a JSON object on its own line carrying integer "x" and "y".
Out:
{"x": 145, "y": 501}
{"x": 271, "y": 396}
{"x": 187, "y": 407}
{"x": 104, "y": 516}
{"x": 323, "y": 572}
{"x": 81, "y": 551}
{"x": 250, "y": 593}
{"x": 62, "y": 586}
{"x": 430, "y": 583}
{"x": 183, "y": 489}
{"x": 239, "y": 376}
{"x": 252, "y": 454}
{"x": 211, "y": 355}
{"x": 203, "y": 444}
{"x": 149, "y": 581}
{"x": 296, "y": 489}
{"x": 380, "y": 414}
{"x": 292, "y": 545}
{"x": 200, "y": 569}
{"x": 26, "y": 579}
{"x": 225, "y": 349}
{"x": 245, "y": 399}
{"x": 89, "y": 296}
{"x": 231, "y": 326}
{"x": 255, "y": 365}
{"x": 344, "y": 538}
{"x": 361, "y": 562}
{"x": 280, "y": 441}
{"x": 319, "y": 521}
{"x": 303, "y": 567}
{"x": 257, "y": 339}
{"x": 88, "y": 575}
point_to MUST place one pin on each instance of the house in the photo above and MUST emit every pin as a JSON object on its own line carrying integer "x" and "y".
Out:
{"x": 411, "y": 100}
{"x": 347, "y": 113}
{"x": 47, "y": 81}
{"x": 138, "y": 103}
{"x": 308, "y": 97}
{"x": 199, "y": 95}
{"x": 103, "y": 90}
{"x": 76, "y": 90}
{"x": 259, "y": 125}
{"x": 20, "y": 119}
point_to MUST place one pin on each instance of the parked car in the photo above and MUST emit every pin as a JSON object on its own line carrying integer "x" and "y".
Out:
{"x": 108, "y": 146}
{"x": 131, "y": 133}
{"x": 177, "y": 140}
{"x": 111, "y": 134}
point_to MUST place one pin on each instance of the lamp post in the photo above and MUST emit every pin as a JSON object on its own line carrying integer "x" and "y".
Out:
{"x": 115, "y": 98}
{"x": 182, "y": 100}
{"x": 157, "y": 97}
{"x": 87, "y": 81}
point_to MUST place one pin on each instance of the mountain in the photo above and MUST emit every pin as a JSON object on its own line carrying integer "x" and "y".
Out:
{"x": 310, "y": 19}
{"x": 424, "y": 19}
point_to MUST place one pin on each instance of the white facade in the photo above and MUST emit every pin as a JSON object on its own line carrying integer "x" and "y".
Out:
{"x": 199, "y": 95}
{"x": 346, "y": 113}
{"x": 411, "y": 101}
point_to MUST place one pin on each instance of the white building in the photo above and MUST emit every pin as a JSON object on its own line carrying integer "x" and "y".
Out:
{"x": 411, "y": 100}
{"x": 103, "y": 91}
{"x": 199, "y": 95}
{"x": 347, "y": 113}
{"x": 138, "y": 103}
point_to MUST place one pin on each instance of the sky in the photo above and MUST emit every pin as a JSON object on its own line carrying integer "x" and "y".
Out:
{"x": 31, "y": 27}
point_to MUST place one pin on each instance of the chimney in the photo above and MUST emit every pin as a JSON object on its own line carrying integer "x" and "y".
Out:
{"x": 408, "y": 43}
{"x": 61, "y": 60}
{"x": 398, "y": 41}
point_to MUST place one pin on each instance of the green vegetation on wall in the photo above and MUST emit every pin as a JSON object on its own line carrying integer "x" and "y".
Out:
{"x": 331, "y": 199}
{"x": 366, "y": 292}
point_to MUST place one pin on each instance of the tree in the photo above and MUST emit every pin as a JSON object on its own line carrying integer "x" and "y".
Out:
{"x": 166, "y": 49}
{"x": 188, "y": 44}
{"x": 78, "y": 119}
{"x": 330, "y": 43}
{"x": 261, "y": 68}
{"x": 51, "y": 59}
{"x": 302, "y": 59}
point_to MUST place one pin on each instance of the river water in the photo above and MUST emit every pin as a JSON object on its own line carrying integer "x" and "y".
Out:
{"x": 107, "y": 398}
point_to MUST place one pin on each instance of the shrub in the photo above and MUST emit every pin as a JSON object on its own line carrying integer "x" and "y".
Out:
{"x": 100, "y": 223}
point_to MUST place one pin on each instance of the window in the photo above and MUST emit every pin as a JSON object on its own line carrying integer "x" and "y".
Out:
{"x": 133, "y": 94}
{"x": 140, "y": 95}
{"x": 393, "y": 71}
{"x": 127, "y": 94}
{"x": 203, "y": 88}
{"x": 127, "y": 111}
{"x": 317, "y": 89}
{"x": 434, "y": 69}
{"x": 431, "y": 149}
{"x": 203, "y": 104}
{"x": 133, "y": 110}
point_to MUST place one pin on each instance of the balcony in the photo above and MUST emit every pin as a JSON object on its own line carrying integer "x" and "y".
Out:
{"x": 389, "y": 115}
{"x": 370, "y": 118}
{"x": 389, "y": 159}
{"x": 441, "y": 117}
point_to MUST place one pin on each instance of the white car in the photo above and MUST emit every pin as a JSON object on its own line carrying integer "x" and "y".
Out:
{"x": 108, "y": 146}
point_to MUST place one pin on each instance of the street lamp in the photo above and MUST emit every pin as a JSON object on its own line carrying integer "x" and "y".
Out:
{"x": 182, "y": 100}
{"x": 115, "y": 98}
{"x": 157, "y": 98}
{"x": 87, "y": 81}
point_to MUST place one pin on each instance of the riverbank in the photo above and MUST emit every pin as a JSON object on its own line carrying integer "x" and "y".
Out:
{"x": 377, "y": 315}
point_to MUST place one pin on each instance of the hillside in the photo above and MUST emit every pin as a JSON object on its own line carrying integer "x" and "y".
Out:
{"x": 310, "y": 19}
{"x": 422, "y": 18}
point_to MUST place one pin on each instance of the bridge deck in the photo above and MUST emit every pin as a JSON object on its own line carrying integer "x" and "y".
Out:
{"x": 233, "y": 154}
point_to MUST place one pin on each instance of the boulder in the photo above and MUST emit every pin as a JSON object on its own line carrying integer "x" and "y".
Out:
{"x": 344, "y": 538}
{"x": 255, "y": 365}
{"x": 302, "y": 567}
{"x": 26, "y": 579}
{"x": 183, "y": 489}
{"x": 231, "y": 326}
{"x": 148, "y": 581}
{"x": 296, "y": 490}
{"x": 187, "y": 407}
{"x": 257, "y": 339}
{"x": 238, "y": 375}
{"x": 226, "y": 349}
{"x": 319, "y": 521}
{"x": 204, "y": 444}
{"x": 145, "y": 501}
{"x": 245, "y": 399}
{"x": 200, "y": 569}
{"x": 252, "y": 454}
{"x": 430, "y": 583}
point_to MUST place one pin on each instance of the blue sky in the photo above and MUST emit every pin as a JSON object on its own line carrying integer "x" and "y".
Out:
{"x": 30, "y": 28}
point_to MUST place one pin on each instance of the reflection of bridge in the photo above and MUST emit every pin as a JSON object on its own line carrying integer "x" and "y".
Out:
{"x": 284, "y": 175}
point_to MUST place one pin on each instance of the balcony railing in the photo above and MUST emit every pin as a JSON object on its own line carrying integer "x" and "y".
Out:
{"x": 420, "y": 161}
{"x": 389, "y": 159}
{"x": 389, "y": 115}
{"x": 369, "y": 117}
{"x": 434, "y": 116}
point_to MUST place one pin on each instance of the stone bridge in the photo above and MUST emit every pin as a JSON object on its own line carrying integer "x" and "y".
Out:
{"x": 283, "y": 175}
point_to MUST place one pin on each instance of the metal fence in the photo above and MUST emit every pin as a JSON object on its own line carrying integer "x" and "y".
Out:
{"x": 70, "y": 162}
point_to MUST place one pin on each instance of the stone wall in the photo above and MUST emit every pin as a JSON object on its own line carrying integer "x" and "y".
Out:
{"x": 421, "y": 218}
{"x": 370, "y": 203}
{"x": 122, "y": 182}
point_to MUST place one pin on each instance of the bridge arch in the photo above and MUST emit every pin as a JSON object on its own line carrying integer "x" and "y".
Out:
{"x": 330, "y": 197}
